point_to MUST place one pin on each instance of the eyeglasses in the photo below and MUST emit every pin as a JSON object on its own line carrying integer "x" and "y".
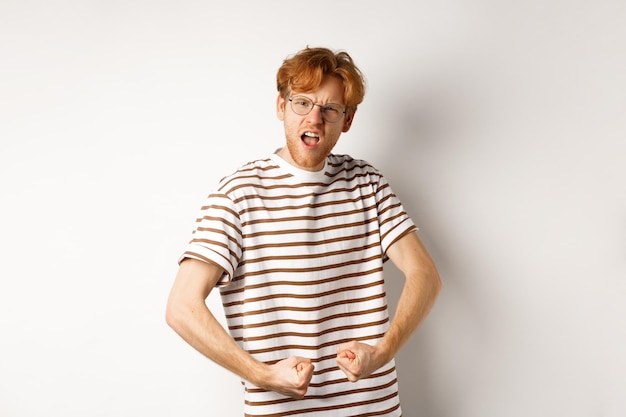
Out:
{"x": 331, "y": 112}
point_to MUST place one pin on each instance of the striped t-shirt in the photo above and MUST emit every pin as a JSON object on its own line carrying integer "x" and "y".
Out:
{"x": 303, "y": 257}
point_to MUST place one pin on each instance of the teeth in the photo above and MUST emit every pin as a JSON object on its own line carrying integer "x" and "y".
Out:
{"x": 311, "y": 135}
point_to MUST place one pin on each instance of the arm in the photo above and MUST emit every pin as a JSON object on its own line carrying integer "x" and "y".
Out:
{"x": 422, "y": 285}
{"x": 189, "y": 316}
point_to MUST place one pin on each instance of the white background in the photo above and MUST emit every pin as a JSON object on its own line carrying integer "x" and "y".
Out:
{"x": 500, "y": 124}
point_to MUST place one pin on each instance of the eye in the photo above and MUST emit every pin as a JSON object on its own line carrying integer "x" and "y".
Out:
{"x": 331, "y": 110}
{"x": 301, "y": 102}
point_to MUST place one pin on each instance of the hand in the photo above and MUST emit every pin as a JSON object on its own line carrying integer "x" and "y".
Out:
{"x": 290, "y": 376}
{"x": 357, "y": 360}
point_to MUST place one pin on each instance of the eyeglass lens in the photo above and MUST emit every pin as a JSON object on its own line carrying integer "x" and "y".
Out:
{"x": 302, "y": 106}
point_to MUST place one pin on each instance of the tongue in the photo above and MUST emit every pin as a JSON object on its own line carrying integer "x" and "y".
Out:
{"x": 310, "y": 141}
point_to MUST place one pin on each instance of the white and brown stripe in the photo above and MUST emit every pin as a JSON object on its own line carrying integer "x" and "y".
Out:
{"x": 303, "y": 258}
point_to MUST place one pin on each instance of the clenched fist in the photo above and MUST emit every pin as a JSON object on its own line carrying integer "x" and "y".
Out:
{"x": 357, "y": 360}
{"x": 291, "y": 376}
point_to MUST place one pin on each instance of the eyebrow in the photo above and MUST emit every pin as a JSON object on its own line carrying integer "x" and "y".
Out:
{"x": 328, "y": 102}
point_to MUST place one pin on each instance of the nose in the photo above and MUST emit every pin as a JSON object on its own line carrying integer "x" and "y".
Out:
{"x": 315, "y": 116}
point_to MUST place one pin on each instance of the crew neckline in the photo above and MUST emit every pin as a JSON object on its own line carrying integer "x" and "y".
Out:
{"x": 318, "y": 176}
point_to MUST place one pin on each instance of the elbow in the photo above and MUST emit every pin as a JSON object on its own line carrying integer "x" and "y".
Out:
{"x": 425, "y": 281}
{"x": 435, "y": 281}
{"x": 437, "y": 285}
{"x": 173, "y": 315}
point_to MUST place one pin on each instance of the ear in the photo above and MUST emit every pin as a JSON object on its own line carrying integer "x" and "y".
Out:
{"x": 280, "y": 107}
{"x": 347, "y": 123}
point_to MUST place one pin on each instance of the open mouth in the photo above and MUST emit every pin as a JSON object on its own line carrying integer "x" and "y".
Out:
{"x": 310, "y": 138}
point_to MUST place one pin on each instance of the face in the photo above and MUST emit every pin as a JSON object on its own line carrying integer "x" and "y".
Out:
{"x": 309, "y": 138}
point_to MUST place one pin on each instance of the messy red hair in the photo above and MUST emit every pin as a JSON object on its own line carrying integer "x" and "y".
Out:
{"x": 305, "y": 71}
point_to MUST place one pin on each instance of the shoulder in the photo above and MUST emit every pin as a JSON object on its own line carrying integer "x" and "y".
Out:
{"x": 346, "y": 163}
{"x": 249, "y": 174}
{"x": 256, "y": 167}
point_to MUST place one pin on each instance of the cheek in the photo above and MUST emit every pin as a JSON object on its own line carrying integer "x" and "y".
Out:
{"x": 335, "y": 132}
{"x": 290, "y": 128}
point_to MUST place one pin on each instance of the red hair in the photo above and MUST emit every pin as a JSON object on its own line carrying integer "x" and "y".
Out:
{"x": 305, "y": 71}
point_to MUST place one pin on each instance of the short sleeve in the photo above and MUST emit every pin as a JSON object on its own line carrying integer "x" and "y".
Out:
{"x": 393, "y": 220}
{"x": 217, "y": 237}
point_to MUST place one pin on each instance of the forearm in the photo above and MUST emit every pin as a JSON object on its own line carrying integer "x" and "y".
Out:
{"x": 189, "y": 316}
{"x": 359, "y": 360}
{"x": 416, "y": 300}
{"x": 198, "y": 327}
{"x": 421, "y": 288}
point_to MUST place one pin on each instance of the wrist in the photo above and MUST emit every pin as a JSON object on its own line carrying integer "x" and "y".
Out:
{"x": 259, "y": 375}
{"x": 384, "y": 352}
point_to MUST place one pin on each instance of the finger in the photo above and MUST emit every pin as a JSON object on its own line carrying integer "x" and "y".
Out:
{"x": 308, "y": 374}
{"x": 346, "y": 346}
{"x": 349, "y": 363}
{"x": 346, "y": 354}
{"x": 351, "y": 377}
{"x": 305, "y": 367}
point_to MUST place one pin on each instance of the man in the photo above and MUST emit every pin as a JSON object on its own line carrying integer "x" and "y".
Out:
{"x": 296, "y": 242}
